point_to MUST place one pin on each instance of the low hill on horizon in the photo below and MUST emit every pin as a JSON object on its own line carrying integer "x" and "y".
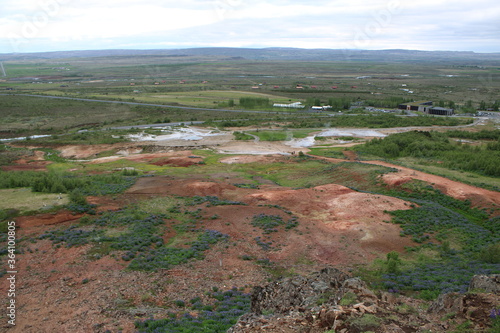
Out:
{"x": 274, "y": 54}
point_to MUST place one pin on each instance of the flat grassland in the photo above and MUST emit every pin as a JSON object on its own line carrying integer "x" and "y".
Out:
{"x": 220, "y": 83}
{"x": 24, "y": 200}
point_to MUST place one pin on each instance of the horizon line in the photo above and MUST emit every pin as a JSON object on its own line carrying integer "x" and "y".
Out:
{"x": 242, "y": 48}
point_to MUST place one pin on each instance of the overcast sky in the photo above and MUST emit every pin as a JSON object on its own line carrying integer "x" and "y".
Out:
{"x": 58, "y": 25}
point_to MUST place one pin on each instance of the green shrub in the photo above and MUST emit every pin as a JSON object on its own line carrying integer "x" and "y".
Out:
{"x": 7, "y": 214}
{"x": 365, "y": 323}
{"x": 349, "y": 298}
{"x": 393, "y": 262}
{"x": 254, "y": 102}
{"x": 242, "y": 136}
{"x": 77, "y": 197}
{"x": 429, "y": 295}
{"x": 491, "y": 254}
{"x": 180, "y": 303}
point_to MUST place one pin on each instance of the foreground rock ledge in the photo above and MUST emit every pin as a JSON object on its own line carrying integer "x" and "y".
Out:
{"x": 333, "y": 300}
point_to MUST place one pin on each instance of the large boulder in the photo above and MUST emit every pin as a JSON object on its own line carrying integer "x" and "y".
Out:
{"x": 485, "y": 283}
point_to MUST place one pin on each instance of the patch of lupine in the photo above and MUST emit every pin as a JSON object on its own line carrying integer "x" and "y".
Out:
{"x": 495, "y": 320}
{"x": 216, "y": 317}
{"x": 107, "y": 184}
{"x": 129, "y": 217}
{"x": 441, "y": 215}
{"x": 266, "y": 246}
{"x": 72, "y": 236}
{"x": 434, "y": 218}
{"x": 81, "y": 208}
{"x": 292, "y": 223}
{"x": 245, "y": 185}
{"x": 270, "y": 223}
{"x": 495, "y": 314}
{"x": 139, "y": 236}
{"x": 451, "y": 275}
{"x": 165, "y": 257}
{"x": 213, "y": 201}
{"x": 141, "y": 233}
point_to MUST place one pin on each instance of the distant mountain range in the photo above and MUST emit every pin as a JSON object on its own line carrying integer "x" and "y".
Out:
{"x": 296, "y": 54}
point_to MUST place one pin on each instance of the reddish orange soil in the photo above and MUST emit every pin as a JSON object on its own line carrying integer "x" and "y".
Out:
{"x": 27, "y": 222}
{"x": 175, "y": 158}
{"x": 30, "y": 163}
{"x": 326, "y": 212}
{"x": 25, "y": 167}
{"x": 350, "y": 155}
{"x": 71, "y": 290}
{"x": 478, "y": 196}
{"x": 243, "y": 159}
{"x": 177, "y": 161}
{"x": 88, "y": 151}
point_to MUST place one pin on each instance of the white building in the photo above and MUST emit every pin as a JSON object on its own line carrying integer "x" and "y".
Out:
{"x": 296, "y": 105}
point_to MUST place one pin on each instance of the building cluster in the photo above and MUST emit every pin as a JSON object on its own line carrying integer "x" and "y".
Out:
{"x": 426, "y": 107}
{"x": 299, "y": 105}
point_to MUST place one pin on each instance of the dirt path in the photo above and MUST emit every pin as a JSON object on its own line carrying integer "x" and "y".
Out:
{"x": 350, "y": 155}
{"x": 479, "y": 197}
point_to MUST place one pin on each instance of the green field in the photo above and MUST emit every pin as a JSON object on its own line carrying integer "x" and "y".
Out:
{"x": 24, "y": 200}
{"x": 181, "y": 78}
{"x": 219, "y": 83}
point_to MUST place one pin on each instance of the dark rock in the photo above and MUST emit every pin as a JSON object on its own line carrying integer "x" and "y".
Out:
{"x": 297, "y": 292}
{"x": 486, "y": 283}
{"x": 319, "y": 286}
{"x": 358, "y": 287}
{"x": 309, "y": 305}
{"x": 446, "y": 303}
{"x": 477, "y": 307}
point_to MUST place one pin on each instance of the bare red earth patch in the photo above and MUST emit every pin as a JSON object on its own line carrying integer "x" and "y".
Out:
{"x": 26, "y": 222}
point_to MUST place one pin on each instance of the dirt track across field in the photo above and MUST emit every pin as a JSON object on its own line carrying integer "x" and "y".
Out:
{"x": 479, "y": 197}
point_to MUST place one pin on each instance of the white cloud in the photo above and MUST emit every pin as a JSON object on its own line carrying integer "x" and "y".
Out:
{"x": 378, "y": 24}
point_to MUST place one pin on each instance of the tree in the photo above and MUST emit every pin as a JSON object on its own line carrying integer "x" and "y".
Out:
{"x": 393, "y": 262}
{"x": 496, "y": 105}
{"x": 77, "y": 197}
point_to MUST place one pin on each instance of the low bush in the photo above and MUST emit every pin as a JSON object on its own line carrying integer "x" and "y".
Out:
{"x": 270, "y": 223}
{"x": 212, "y": 201}
{"x": 54, "y": 182}
{"x": 219, "y": 316}
{"x": 366, "y": 322}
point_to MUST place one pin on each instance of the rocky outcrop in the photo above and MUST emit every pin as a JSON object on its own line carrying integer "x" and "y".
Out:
{"x": 296, "y": 293}
{"x": 332, "y": 300}
{"x": 486, "y": 283}
{"x": 473, "y": 307}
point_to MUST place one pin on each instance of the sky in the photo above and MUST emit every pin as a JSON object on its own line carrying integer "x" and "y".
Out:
{"x": 63, "y": 25}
